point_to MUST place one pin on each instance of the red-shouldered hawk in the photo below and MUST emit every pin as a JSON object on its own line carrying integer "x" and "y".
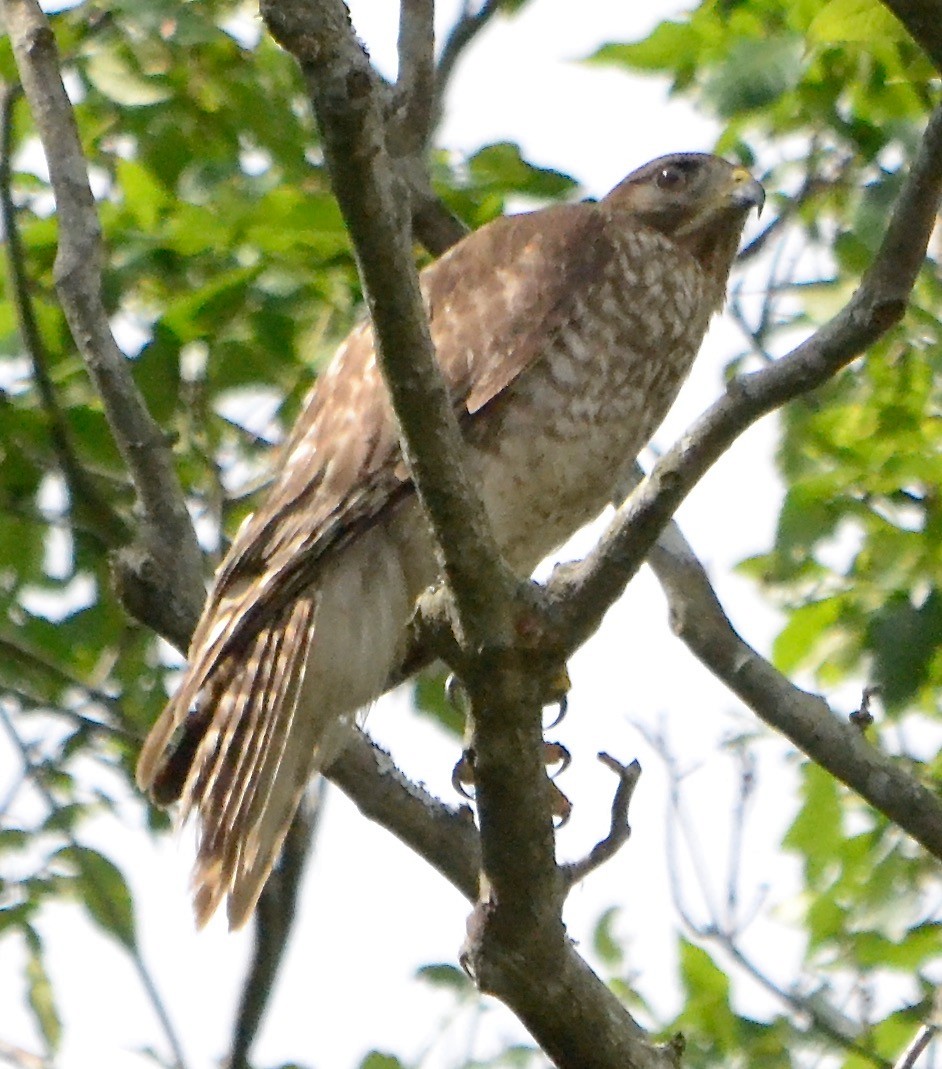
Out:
{"x": 564, "y": 336}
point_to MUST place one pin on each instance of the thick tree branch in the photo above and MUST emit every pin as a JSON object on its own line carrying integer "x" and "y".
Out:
{"x": 347, "y": 97}
{"x": 581, "y": 594}
{"x": 834, "y": 743}
{"x": 444, "y": 837}
{"x": 164, "y": 577}
{"x": 92, "y": 511}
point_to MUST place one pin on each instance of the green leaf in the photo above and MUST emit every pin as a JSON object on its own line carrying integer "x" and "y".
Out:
{"x": 40, "y": 994}
{"x": 103, "y": 891}
{"x": 447, "y": 976}
{"x": 661, "y": 50}
{"x": 801, "y": 634}
{"x": 430, "y": 698}
{"x": 605, "y": 942}
{"x": 862, "y": 21}
{"x": 816, "y": 832}
{"x": 756, "y": 74}
{"x": 903, "y": 639}
{"x": 113, "y": 76}
{"x": 706, "y": 987}
{"x": 501, "y": 167}
{"x": 375, "y": 1060}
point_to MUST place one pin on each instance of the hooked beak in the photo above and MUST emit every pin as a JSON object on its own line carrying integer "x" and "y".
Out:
{"x": 746, "y": 191}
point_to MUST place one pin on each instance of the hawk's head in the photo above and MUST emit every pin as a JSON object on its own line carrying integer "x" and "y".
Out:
{"x": 697, "y": 200}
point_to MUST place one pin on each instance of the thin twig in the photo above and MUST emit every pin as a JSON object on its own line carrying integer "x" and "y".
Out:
{"x": 102, "y": 894}
{"x": 467, "y": 26}
{"x": 926, "y": 1034}
{"x": 274, "y": 920}
{"x": 619, "y": 828}
{"x": 715, "y": 932}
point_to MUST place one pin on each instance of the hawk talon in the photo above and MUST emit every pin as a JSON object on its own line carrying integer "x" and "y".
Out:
{"x": 561, "y": 807}
{"x": 562, "y": 707}
{"x": 462, "y": 775}
{"x": 555, "y": 753}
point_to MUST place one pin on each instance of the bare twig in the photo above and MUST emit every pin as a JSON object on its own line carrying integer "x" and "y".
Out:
{"x": 619, "y": 829}
{"x": 826, "y": 1020}
{"x": 926, "y": 1034}
{"x": 274, "y": 920}
{"x": 747, "y": 782}
{"x": 103, "y": 895}
{"x": 468, "y": 25}
{"x": 167, "y": 569}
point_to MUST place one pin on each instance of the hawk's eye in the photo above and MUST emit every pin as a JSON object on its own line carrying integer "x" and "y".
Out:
{"x": 671, "y": 178}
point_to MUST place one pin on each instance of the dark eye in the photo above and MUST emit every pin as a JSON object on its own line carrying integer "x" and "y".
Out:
{"x": 671, "y": 178}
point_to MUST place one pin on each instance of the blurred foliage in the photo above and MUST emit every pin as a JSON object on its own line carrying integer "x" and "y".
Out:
{"x": 230, "y": 279}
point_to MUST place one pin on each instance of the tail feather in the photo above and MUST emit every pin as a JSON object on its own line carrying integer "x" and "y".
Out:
{"x": 260, "y": 714}
{"x": 256, "y": 722}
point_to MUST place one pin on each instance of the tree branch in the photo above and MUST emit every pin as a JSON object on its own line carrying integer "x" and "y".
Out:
{"x": 467, "y": 26}
{"x": 619, "y": 829}
{"x": 92, "y": 510}
{"x": 444, "y": 837}
{"x": 274, "y": 920}
{"x": 414, "y": 92}
{"x": 834, "y": 743}
{"x": 517, "y": 945}
{"x": 163, "y": 579}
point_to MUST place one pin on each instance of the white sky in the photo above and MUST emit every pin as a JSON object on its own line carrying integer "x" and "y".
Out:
{"x": 370, "y": 912}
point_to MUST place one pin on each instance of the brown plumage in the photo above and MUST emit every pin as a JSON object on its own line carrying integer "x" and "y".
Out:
{"x": 564, "y": 336}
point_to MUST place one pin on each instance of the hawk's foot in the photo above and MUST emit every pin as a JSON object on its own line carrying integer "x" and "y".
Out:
{"x": 554, "y": 754}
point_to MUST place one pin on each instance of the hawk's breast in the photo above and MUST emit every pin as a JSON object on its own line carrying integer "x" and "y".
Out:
{"x": 550, "y": 450}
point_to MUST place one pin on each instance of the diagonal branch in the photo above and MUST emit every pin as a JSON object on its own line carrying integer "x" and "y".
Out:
{"x": 95, "y": 513}
{"x": 519, "y": 948}
{"x": 834, "y": 743}
{"x": 168, "y": 566}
